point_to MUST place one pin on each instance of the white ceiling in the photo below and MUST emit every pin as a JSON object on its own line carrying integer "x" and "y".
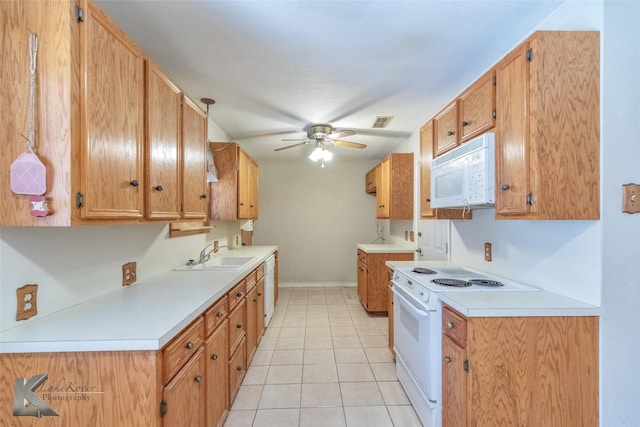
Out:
{"x": 275, "y": 67}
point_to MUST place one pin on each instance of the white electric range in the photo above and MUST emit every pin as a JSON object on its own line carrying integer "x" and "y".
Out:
{"x": 418, "y": 328}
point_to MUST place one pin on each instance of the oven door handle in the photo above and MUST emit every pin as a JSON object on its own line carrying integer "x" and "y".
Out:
{"x": 406, "y": 303}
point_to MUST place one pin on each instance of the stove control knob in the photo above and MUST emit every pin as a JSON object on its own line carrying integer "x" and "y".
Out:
{"x": 425, "y": 297}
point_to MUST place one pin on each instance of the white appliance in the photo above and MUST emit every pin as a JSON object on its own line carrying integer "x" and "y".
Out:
{"x": 269, "y": 291}
{"x": 465, "y": 176}
{"x": 417, "y": 331}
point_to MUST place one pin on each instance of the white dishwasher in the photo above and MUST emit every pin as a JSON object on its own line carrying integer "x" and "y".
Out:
{"x": 269, "y": 291}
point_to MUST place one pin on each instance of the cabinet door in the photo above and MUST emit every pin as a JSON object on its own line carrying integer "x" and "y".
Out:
{"x": 162, "y": 148}
{"x": 362, "y": 283}
{"x": 253, "y": 188}
{"x": 194, "y": 160}
{"x": 260, "y": 309}
{"x": 476, "y": 106}
{"x": 445, "y": 126}
{"x": 184, "y": 395}
{"x": 512, "y": 138}
{"x": 252, "y": 337}
{"x": 426, "y": 155}
{"x": 237, "y": 370}
{"x": 454, "y": 384}
{"x": 112, "y": 121}
{"x": 237, "y": 326}
{"x": 217, "y": 372}
{"x": 383, "y": 201}
{"x": 370, "y": 181}
{"x": 244, "y": 190}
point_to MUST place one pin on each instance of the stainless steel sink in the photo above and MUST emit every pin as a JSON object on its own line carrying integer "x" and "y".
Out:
{"x": 219, "y": 263}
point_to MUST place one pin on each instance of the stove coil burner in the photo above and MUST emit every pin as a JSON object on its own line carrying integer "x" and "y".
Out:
{"x": 422, "y": 270}
{"x": 451, "y": 282}
{"x": 485, "y": 282}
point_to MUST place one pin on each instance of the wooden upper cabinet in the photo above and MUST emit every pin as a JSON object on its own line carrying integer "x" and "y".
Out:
{"x": 426, "y": 155}
{"x": 547, "y": 128}
{"x": 247, "y": 186}
{"x": 194, "y": 161}
{"x": 112, "y": 121}
{"x": 370, "y": 181}
{"x": 476, "y": 107}
{"x": 163, "y": 116}
{"x": 235, "y": 195}
{"x": 383, "y": 202}
{"x": 445, "y": 127}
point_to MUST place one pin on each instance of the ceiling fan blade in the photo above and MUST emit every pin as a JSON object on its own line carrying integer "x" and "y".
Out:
{"x": 295, "y": 139}
{"x": 341, "y": 134}
{"x": 290, "y": 146}
{"x": 349, "y": 144}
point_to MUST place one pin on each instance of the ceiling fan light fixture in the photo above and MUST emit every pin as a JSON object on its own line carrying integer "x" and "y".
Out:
{"x": 320, "y": 154}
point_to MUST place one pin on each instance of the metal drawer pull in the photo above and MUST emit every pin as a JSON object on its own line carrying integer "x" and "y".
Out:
{"x": 214, "y": 357}
{"x": 239, "y": 368}
{"x": 220, "y": 314}
{"x": 239, "y": 326}
{"x": 189, "y": 345}
{"x": 239, "y": 294}
{"x": 450, "y": 325}
{"x": 447, "y": 359}
{"x": 198, "y": 378}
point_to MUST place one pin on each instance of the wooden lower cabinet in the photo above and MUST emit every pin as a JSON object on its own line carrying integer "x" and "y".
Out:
{"x": 190, "y": 382}
{"x": 217, "y": 374}
{"x": 183, "y": 398}
{"x": 373, "y": 282}
{"x": 519, "y": 371}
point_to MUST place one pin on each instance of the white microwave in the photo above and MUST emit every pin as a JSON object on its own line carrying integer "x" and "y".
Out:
{"x": 465, "y": 176}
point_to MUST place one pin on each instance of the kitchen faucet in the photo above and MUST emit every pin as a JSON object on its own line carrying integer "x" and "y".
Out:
{"x": 204, "y": 255}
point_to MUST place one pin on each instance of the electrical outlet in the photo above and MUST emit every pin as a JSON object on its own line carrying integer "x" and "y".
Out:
{"x": 406, "y": 235}
{"x": 129, "y": 274}
{"x": 215, "y": 246}
{"x": 631, "y": 198}
{"x": 487, "y": 251}
{"x": 27, "y": 302}
{"x": 412, "y": 236}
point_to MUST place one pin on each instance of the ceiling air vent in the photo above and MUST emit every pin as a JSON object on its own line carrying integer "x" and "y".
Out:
{"x": 381, "y": 122}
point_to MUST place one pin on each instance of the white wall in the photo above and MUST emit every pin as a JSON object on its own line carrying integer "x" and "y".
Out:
{"x": 620, "y": 342}
{"x": 316, "y": 216}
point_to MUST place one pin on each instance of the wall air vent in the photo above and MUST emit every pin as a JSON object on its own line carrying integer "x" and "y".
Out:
{"x": 381, "y": 122}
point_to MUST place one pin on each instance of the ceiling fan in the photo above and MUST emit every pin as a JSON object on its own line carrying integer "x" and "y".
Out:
{"x": 323, "y": 135}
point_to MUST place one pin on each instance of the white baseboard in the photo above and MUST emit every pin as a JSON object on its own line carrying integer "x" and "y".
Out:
{"x": 316, "y": 284}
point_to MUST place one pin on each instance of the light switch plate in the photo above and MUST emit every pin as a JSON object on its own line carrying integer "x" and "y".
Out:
{"x": 631, "y": 198}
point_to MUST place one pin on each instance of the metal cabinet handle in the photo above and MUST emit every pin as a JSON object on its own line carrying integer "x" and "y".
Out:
{"x": 464, "y": 123}
{"x": 239, "y": 368}
{"x": 203, "y": 196}
{"x": 239, "y": 326}
{"x": 214, "y": 356}
{"x": 198, "y": 378}
{"x": 450, "y": 325}
{"x": 189, "y": 345}
{"x": 239, "y": 294}
{"x": 447, "y": 359}
{"x": 505, "y": 187}
{"x": 259, "y": 294}
{"x": 428, "y": 200}
{"x": 134, "y": 183}
{"x": 158, "y": 188}
{"x": 220, "y": 314}
{"x": 451, "y": 133}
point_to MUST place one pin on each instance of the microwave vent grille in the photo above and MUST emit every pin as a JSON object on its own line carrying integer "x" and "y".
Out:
{"x": 464, "y": 149}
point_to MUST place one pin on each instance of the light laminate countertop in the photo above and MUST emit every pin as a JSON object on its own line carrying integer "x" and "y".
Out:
{"x": 144, "y": 316}
{"x": 504, "y": 303}
{"x": 386, "y": 248}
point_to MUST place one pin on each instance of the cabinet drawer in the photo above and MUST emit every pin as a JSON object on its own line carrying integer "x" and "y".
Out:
{"x": 237, "y": 370}
{"x": 236, "y": 294}
{"x": 237, "y": 328}
{"x": 260, "y": 272}
{"x": 363, "y": 256}
{"x": 215, "y": 315}
{"x": 250, "y": 280}
{"x": 455, "y": 326}
{"x": 181, "y": 348}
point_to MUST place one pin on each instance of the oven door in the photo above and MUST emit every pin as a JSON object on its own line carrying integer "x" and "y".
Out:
{"x": 418, "y": 341}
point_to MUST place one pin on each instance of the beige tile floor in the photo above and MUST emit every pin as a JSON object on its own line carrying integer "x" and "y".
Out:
{"x": 323, "y": 362}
